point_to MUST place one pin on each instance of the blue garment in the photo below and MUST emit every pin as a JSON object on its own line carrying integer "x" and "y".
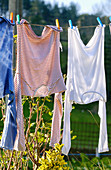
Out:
{"x": 7, "y": 83}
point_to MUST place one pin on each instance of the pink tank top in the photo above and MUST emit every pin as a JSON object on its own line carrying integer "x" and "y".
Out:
{"x": 38, "y": 73}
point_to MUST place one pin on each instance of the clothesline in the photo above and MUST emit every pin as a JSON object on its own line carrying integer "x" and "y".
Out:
{"x": 92, "y": 26}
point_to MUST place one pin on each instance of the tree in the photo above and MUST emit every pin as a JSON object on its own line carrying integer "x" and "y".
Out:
{"x": 3, "y": 7}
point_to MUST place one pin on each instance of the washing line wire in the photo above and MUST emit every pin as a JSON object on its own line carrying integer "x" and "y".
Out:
{"x": 90, "y": 26}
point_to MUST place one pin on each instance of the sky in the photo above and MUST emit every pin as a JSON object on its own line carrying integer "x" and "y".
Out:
{"x": 86, "y": 6}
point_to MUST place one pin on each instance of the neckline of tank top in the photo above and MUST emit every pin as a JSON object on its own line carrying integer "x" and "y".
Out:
{"x": 75, "y": 28}
{"x": 23, "y": 21}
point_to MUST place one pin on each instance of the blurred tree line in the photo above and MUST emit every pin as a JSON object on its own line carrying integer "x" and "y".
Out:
{"x": 38, "y": 12}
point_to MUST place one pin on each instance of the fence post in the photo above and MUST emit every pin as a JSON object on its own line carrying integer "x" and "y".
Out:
{"x": 97, "y": 154}
{"x": 15, "y": 6}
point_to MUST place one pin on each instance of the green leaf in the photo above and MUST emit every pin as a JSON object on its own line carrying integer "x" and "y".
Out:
{"x": 32, "y": 134}
{"x": 32, "y": 124}
{"x": 48, "y": 124}
{"x": 73, "y": 137}
{"x": 34, "y": 104}
{"x": 84, "y": 157}
{"x": 73, "y": 107}
{"x": 50, "y": 113}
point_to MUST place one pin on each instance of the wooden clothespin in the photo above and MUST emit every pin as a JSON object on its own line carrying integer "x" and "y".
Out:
{"x": 110, "y": 18}
{"x": 11, "y": 17}
{"x": 18, "y": 19}
{"x": 70, "y": 24}
{"x": 99, "y": 21}
{"x": 57, "y": 24}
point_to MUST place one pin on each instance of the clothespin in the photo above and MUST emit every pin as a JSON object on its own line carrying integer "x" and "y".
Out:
{"x": 57, "y": 24}
{"x": 11, "y": 17}
{"x": 110, "y": 18}
{"x": 18, "y": 19}
{"x": 70, "y": 24}
{"x": 99, "y": 21}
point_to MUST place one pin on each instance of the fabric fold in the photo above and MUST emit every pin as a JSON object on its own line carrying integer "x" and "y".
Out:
{"x": 56, "y": 120}
{"x": 10, "y": 125}
{"x": 103, "y": 138}
{"x": 19, "y": 144}
{"x": 66, "y": 129}
{"x": 3, "y": 19}
{"x": 7, "y": 83}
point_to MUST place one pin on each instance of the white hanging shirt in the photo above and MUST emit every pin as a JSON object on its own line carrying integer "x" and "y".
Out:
{"x": 85, "y": 81}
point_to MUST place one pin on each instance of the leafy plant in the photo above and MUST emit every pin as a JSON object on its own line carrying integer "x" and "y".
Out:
{"x": 90, "y": 164}
{"x": 53, "y": 159}
{"x": 37, "y": 127}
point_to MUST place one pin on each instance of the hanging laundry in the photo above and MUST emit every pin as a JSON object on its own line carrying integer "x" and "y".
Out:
{"x": 85, "y": 81}
{"x": 38, "y": 73}
{"x": 7, "y": 83}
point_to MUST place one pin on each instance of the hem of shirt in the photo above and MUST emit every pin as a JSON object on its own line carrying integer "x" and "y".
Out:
{"x": 87, "y": 102}
{"x": 103, "y": 150}
{"x": 6, "y": 148}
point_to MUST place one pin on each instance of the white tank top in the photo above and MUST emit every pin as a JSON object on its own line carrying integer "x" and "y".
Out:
{"x": 85, "y": 81}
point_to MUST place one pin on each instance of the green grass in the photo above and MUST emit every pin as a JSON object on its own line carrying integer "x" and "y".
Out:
{"x": 85, "y": 124}
{"x": 89, "y": 113}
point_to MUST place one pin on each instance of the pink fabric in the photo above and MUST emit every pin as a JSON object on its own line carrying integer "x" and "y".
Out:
{"x": 56, "y": 121}
{"x": 20, "y": 139}
{"x": 38, "y": 72}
